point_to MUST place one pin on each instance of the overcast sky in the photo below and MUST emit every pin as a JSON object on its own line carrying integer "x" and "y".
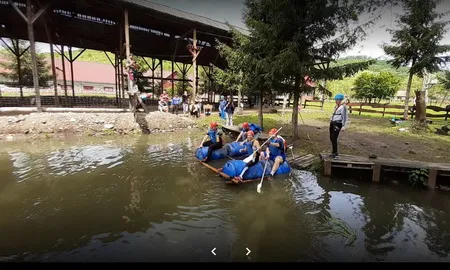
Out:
{"x": 231, "y": 11}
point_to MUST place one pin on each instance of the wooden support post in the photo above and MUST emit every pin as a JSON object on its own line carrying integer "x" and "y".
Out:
{"x": 194, "y": 64}
{"x": 64, "y": 70}
{"x": 52, "y": 57}
{"x": 115, "y": 78}
{"x": 376, "y": 173}
{"x": 162, "y": 75}
{"x": 127, "y": 41}
{"x": 173, "y": 82}
{"x": 33, "y": 56}
{"x": 132, "y": 95}
{"x": 30, "y": 18}
{"x": 71, "y": 71}
{"x": 327, "y": 167}
{"x": 19, "y": 68}
{"x": 432, "y": 174}
{"x": 55, "y": 83}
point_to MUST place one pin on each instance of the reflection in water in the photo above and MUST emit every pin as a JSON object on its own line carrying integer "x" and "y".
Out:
{"x": 154, "y": 202}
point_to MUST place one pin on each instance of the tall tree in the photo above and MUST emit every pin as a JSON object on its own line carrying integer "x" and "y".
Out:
{"x": 294, "y": 39}
{"x": 11, "y": 64}
{"x": 416, "y": 41}
{"x": 444, "y": 81}
{"x": 244, "y": 70}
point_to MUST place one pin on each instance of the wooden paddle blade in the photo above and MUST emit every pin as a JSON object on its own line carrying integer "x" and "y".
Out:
{"x": 258, "y": 189}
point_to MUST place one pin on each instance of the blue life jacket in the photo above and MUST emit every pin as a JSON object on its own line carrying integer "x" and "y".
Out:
{"x": 222, "y": 104}
{"x": 255, "y": 128}
{"x": 277, "y": 151}
{"x": 212, "y": 135}
{"x": 249, "y": 146}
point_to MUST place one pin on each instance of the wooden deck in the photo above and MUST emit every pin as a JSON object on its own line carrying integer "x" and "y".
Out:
{"x": 377, "y": 165}
{"x": 303, "y": 162}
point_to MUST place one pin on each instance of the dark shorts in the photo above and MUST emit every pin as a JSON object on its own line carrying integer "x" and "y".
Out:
{"x": 272, "y": 158}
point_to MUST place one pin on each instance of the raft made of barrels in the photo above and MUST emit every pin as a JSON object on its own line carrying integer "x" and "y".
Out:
{"x": 234, "y": 168}
{"x": 229, "y": 150}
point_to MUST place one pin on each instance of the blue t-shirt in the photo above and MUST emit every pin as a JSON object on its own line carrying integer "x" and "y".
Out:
{"x": 212, "y": 135}
{"x": 176, "y": 100}
{"x": 276, "y": 151}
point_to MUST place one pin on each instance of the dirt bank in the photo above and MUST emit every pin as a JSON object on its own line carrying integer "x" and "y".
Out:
{"x": 401, "y": 145}
{"x": 90, "y": 124}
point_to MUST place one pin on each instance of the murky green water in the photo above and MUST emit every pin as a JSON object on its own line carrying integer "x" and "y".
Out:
{"x": 143, "y": 199}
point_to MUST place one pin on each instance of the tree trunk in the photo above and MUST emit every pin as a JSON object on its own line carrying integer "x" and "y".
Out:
{"x": 260, "y": 111}
{"x": 421, "y": 109}
{"x": 295, "y": 109}
{"x": 408, "y": 91}
{"x": 445, "y": 97}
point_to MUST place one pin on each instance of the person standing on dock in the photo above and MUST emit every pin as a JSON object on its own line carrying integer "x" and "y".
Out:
{"x": 251, "y": 145}
{"x": 338, "y": 123}
{"x": 215, "y": 140}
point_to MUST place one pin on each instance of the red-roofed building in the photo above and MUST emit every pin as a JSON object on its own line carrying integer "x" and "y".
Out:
{"x": 91, "y": 77}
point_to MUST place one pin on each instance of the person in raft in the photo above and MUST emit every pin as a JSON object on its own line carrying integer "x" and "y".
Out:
{"x": 215, "y": 140}
{"x": 251, "y": 145}
{"x": 338, "y": 123}
{"x": 276, "y": 150}
{"x": 246, "y": 127}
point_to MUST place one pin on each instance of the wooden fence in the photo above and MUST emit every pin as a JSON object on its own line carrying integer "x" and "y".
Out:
{"x": 315, "y": 103}
{"x": 358, "y": 107}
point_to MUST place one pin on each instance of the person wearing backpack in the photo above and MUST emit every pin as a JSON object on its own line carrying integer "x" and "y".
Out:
{"x": 338, "y": 123}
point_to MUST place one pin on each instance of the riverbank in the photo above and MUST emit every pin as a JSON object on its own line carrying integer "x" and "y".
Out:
{"x": 36, "y": 125}
{"x": 366, "y": 135}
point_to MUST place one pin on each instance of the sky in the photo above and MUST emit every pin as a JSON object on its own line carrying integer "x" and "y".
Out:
{"x": 231, "y": 11}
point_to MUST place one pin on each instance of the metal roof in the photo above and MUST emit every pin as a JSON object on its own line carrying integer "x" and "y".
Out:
{"x": 179, "y": 13}
{"x": 155, "y": 29}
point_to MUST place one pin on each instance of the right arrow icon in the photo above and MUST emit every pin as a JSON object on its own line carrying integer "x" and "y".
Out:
{"x": 249, "y": 251}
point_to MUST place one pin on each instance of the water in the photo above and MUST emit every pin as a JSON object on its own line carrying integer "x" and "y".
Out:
{"x": 147, "y": 199}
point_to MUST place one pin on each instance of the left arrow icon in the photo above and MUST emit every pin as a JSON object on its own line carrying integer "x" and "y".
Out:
{"x": 212, "y": 251}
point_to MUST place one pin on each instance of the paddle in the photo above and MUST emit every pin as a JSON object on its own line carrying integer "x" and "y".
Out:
{"x": 258, "y": 188}
{"x": 250, "y": 157}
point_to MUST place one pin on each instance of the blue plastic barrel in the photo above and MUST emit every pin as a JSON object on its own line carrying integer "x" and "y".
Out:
{"x": 233, "y": 149}
{"x": 216, "y": 154}
{"x": 234, "y": 168}
{"x": 284, "y": 168}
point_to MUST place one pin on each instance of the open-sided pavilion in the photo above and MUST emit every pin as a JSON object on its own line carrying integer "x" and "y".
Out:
{"x": 122, "y": 27}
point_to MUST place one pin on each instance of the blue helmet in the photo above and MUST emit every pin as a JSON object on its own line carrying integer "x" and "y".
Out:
{"x": 339, "y": 97}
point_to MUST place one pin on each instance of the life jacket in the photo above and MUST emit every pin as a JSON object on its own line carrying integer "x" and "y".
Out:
{"x": 284, "y": 143}
{"x": 249, "y": 146}
{"x": 255, "y": 128}
{"x": 212, "y": 135}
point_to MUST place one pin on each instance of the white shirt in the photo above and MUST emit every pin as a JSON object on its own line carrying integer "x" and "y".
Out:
{"x": 340, "y": 115}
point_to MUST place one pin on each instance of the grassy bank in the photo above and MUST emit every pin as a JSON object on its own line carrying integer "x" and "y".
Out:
{"x": 368, "y": 133}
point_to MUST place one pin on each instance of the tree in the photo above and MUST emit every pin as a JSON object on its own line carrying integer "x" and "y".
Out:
{"x": 416, "y": 41}
{"x": 370, "y": 85}
{"x": 444, "y": 81}
{"x": 26, "y": 75}
{"x": 244, "y": 72}
{"x": 293, "y": 39}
